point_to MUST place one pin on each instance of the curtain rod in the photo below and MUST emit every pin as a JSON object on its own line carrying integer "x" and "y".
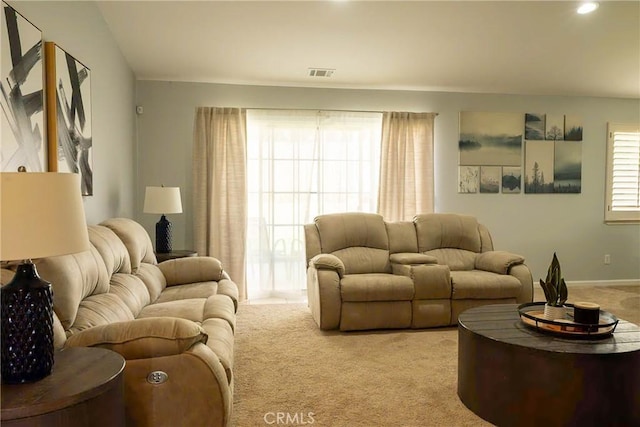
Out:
{"x": 333, "y": 109}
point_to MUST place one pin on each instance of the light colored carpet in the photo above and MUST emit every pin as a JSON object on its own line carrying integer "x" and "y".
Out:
{"x": 286, "y": 367}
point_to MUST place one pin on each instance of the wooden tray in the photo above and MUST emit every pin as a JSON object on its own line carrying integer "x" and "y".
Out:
{"x": 532, "y": 315}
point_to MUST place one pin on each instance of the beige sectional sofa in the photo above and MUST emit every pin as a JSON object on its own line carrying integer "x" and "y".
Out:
{"x": 366, "y": 273}
{"x": 177, "y": 317}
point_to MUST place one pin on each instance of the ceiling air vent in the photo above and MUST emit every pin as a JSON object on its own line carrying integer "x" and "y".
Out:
{"x": 321, "y": 72}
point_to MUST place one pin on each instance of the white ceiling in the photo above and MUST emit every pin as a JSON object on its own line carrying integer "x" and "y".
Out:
{"x": 511, "y": 47}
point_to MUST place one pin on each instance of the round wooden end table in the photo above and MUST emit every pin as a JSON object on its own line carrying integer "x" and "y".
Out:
{"x": 85, "y": 388}
{"x": 513, "y": 375}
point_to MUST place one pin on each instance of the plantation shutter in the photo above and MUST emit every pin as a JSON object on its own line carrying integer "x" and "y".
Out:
{"x": 623, "y": 173}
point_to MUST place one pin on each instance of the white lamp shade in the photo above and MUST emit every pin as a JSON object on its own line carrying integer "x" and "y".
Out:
{"x": 162, "y": 200}
{"x": 41, "y": 215}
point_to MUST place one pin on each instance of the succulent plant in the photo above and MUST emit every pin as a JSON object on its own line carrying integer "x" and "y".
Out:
{"x": 554, "y": 287}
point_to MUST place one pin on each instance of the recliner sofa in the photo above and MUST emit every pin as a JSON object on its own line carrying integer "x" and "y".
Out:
{"x": 366, "y": 273}
{"x": 177, "y": 317}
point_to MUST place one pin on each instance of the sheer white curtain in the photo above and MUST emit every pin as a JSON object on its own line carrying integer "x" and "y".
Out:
{"x": 219, "y": 188}
{"x": 406, "y": 165}
{"x": 302, "y": 164}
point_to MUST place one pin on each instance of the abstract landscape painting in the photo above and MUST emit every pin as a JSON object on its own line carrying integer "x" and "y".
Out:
{"x": 73, "y": 118}
{"x": 22, "y": 130}
{"x": 468, "y": 179}
{"x": 534, "y": 126}
{"x": 490, "y": 139}
{"x": 511, "y": 179}
{"x": 567, "y": 167}
{"x": 490, "y": 179}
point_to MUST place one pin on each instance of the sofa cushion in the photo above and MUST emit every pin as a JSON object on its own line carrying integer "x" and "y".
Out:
{"x": 153, "y": 279}
{"x": 447, "y": 231}
{"x": 142, "y": 338}
{"x": 131, "y": 291}
{"x": 477, "y": 284}
{"x": 340, "y": 231}
{"x": 194, "y": 309}
{"x": 135, "y": 238}
{"x": 191, "y": 270}
{"x": 190, "y": 309}
{"x": 73, "y": 278}
{"x": 358, "y": 260}
{"x": 376, "y": 287}
{"x": 189, "y": 291}
{"x": 97, "y": 310}
{"x": 402, "y": 236}
{"x": 498, "y": 261}
{"x": 113, "y": 252}
{"x": 456, "y": 259}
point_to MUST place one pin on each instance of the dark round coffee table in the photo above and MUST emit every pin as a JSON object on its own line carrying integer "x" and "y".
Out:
{"x": 512, "y": 375}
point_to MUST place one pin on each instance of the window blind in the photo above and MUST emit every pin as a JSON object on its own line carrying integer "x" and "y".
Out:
{"x": 623, "y": 166}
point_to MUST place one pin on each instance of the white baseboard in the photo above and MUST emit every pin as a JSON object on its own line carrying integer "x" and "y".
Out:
{"x": 624, "y": 282}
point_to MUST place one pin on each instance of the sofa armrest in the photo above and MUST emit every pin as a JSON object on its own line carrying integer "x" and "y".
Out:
{"x": 497, "y": 261}
{"x": 191, "y": 270}
{"x": 142, "y": 338}
{"x": 328, "y": 262}
{"x": 411, "y": 258}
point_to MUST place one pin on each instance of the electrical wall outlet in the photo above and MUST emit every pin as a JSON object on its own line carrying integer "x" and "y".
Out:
{"x": 607, "y": 259}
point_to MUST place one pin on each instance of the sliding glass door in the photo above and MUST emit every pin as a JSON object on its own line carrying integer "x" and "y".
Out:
{"x": 302, "y": 164}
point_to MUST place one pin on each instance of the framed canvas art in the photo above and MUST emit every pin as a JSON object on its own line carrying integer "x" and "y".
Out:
{"x": 490, "y": 139}
{"x": 69, "y": 115}
{"x": 21, "y": 99}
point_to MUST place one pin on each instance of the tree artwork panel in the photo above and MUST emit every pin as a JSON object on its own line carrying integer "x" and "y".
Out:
{"x": 554, "y": 127}
{"x": 572, "y": 128}
{"x": 539, "y": 167}
{"x": 73, "y": 118}
{"x": 22, "y": 118}
{"x": 468, "y": 179}
{"x": 490, "y": 139}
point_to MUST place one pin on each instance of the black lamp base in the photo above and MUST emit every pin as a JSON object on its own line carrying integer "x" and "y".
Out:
{"x": 26, "y": 327}
{"x": 163, "y": 235}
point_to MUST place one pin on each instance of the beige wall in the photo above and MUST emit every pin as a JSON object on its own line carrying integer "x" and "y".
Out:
{"x": 78, "y": 27}
{"x": 533, "y": 225}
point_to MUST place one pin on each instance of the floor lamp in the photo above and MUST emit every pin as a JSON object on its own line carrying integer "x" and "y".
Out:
{"x": 41, "y": 215}
{"x": 163, "y": 200}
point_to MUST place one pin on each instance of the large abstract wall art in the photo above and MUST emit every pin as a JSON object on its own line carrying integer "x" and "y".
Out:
{"x": 491, "y": 153}
{"x": 490, "y": 143}
{"x": 553, "y": 153}
{"x": 69, "y": 115}
{"x": 22, "y": 117}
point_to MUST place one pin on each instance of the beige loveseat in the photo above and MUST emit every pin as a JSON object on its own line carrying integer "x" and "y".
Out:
{"x": 177, "y": 317}
{"x": 366, "y": 273}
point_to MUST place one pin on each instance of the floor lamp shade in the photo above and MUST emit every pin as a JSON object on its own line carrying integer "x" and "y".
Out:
{"x": 41, "y": 215}
{"x": 163, "y": 200}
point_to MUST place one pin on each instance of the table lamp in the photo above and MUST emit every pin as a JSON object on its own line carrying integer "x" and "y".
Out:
{"x": 41, "y": 215}
{"x": 162, "y": 200}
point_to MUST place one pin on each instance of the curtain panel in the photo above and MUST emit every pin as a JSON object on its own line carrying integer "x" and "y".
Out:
{"x": 406, "y": 165}
{"x": 220, "y": 188}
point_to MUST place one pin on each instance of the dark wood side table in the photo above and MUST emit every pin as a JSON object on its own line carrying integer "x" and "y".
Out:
{"x": 175, "y": 254}
{"x": 512, "y": 375}
{"x": 85, "y": 388}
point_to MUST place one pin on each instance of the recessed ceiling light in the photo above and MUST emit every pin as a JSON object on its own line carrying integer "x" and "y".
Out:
{"x": 587, "y": 7}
